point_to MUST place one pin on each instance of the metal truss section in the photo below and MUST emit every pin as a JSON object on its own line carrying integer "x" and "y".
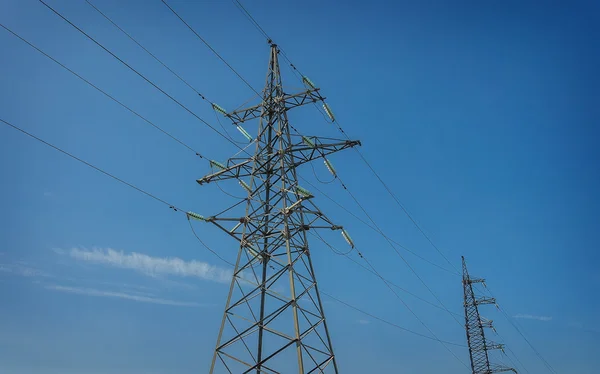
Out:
{"x": 474, "y": 326}
{"x": 274, "y": 320}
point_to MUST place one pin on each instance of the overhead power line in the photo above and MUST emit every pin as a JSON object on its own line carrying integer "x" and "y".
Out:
{"x": 387, "y": 188}
{"x": 172, "y": 206}
{"x": 137, "y": 72}
{"x": 343, "y": 185}
{"x": 132, "y": 68}
{"x": 149, "y": 53}
{"x": 176, "y": 209}
{"x": 343, "y": 207}
{"x": 210, "y": 47}
{"x": 413, "y": 313}
{"x": 437, "y": 306}
{"x": 103, "y": 92}
{"x": 245, "y": 81}
{"x": 520, "y": 332}
{"x": 391, "y": 323}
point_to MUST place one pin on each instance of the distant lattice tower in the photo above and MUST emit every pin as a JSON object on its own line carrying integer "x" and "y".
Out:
{"x": 474, "y": 326}
{"x": 274, "y": 320}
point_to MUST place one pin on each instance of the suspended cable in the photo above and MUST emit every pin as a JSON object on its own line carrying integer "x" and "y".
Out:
{"x": 257, "y": 25}
{"x": 118, "y": 179}
{"x": 374, "y": 229}
{"x": 249, "y": 16}
{"x": 410, "y": 267}
{"x": 346, "y": 255}
{"x": 517, "y": 358}
{"x": 103, "y": 92}
{"x": 319, "y": 179}
{"x": 206, "y": 246}
{"x": 301, "y": 76}
{"x": 396, "y": 250}
{"x": 150, "y": 82}
{"x": 353, "y": 307}
{"x": 175, "y": 208}
{"x": 537, "y": 353}
{"x": 411, "y": 311}
{"x": 388, "y": 322}
{"x": 210, "y": 47}
{"x": 390, "y": 242}
{"x": 137, "y": 72}
{"x": 155, "y": 58}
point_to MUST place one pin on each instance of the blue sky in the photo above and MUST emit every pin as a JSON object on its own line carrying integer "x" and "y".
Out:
{"x": 483, "y": 119}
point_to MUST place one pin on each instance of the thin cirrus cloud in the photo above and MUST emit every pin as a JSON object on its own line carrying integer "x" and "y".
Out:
{"x": 530, "y": 316}
{"x": 152, "y": 266}
{"x": 22, "y": 270}
{"x": 120, "y": 295}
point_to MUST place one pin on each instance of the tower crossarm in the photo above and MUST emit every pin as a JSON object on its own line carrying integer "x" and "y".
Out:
{"x": 289, "y": 101}
{"x": 495, "y": 368}
{"x": 311, "y": 148}
{"x": 491, "y": 346}
{"x": 485, "y": 300}
{"x": 234, "y": 226}
{"x": 488, "y": 323}
{"x": 475, "y": 280}
{"x": 230, "y": 171}
{"x": 479, "y": 346}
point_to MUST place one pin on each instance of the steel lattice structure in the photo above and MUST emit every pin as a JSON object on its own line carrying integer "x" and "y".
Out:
{"x": 274, "y": 320}
{"x": 474, "y": 326}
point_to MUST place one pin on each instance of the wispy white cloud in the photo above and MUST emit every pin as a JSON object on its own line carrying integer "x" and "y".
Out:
{"x": 152, "y": 266}
{"x": 363, "y": 321}
{"x": 22, "y": 270}
{"x": 120, "y": 295}
{"x": 529, "y": 316}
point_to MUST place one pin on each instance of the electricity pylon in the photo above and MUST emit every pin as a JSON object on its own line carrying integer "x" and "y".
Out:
{"x": 474, "y": 325}
{"x": 274, "y": 320}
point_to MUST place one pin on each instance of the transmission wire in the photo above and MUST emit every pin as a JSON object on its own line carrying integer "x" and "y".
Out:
{"x": 338, "y": 252}
{"x": 390, "y": 323}
{"x": 172, "y": 206}
{"x": 150, "y": 82}
{"x": 210, "y": 47}
{"x": 137, "y": 72}
{"x": 515, "y": 326}
{"x": 411, "y": 311}
{"x": 239, "y": 75}
{"x": 103, "y": 92}
{"x": 295, "y": 69}
{"x": 176, "y": 209}
{"x": 374, "y": 229}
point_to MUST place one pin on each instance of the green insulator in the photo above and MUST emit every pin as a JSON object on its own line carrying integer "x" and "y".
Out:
{"x": 245, "y": 185}
{"x": 347, "y": 238}
{"x": 303, "y": 192}
{"x": 328, "y": 111}
{"x": 219, "y": 109}
{"x": 196, "y": 216}
{"x": 330, "y": 167}
{"x": 308, "y": 83}
{"x": 245, "y": 133}
{"x": 217, "y": 164}
{"x": 308, "y": 142}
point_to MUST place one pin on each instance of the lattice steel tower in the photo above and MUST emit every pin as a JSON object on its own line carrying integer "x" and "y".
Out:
{"x": 474, "y": 325}
{"x": 274, "y": 320}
